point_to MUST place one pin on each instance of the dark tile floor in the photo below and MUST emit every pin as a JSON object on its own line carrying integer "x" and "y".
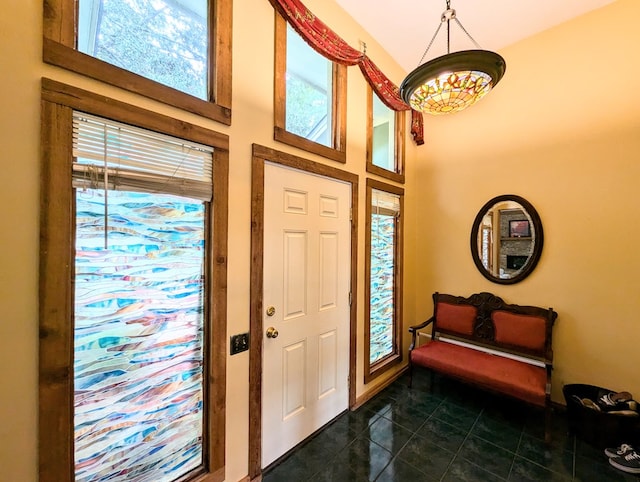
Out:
{"x": 450, "y": 432}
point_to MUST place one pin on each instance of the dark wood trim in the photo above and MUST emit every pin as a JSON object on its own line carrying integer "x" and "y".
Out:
{"x": 255, "y": 327}
{"x": 335, "y": 152}
{"x": 59, "y": 48}
{"x": 386, "y": 363}
{"x": 218, "y": 319}
{"x": 373, "y": 371}
{"x": 279, "y": 73}
{"x": 399, "y": 144}
{"x": 55, "y": 385}
{"x": 339, "y": 111}
{"x": 56, "y": 458}
{"x": 97, "y": 104}
{"x": 221, "y": 64}
{"x": 367, "y": 285}
{"x": 353, "y": 361}
{"x": 60, "y": 21}
{"x": 375, "y": 391}
{"x": 369, "y": 131}
{"x": 291, "y": 160}
{"x": 260, "y": 155}
{"x": 383, "y": 186}
{"x": 294, "y": 140}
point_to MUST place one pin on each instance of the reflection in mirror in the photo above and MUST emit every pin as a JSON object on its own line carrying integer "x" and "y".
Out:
{"x": 506, "y": 239}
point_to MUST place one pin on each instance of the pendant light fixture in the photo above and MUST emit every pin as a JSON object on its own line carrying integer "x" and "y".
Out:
{"x": 454, "y": 81}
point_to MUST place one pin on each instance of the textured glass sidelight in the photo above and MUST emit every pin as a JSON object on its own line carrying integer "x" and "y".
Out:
{"x": 382, "y": 293}
{"x": 138, "y": 345}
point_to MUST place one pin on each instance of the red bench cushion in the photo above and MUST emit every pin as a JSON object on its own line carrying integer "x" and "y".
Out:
{"x": 456, "y": 318}
{"x": 524, "y": 331}
{"x": 517, "y": 379}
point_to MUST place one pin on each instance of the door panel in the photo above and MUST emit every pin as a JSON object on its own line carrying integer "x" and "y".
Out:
{"x": 328, "y": 270}
{"x": 307, "y": 269}
{"x": 294, "y": 382}
{"x": 295, "y": 274}
{"x": 327, "y": 355}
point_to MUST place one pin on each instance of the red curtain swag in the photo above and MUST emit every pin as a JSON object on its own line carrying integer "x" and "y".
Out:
{"x": 327, "y": 43}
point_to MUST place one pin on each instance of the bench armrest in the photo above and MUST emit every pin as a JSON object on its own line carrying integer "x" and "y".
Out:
{"x": 414, "y": 330}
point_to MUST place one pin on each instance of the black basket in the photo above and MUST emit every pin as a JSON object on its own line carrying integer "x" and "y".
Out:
{"x": 600, "y": 429}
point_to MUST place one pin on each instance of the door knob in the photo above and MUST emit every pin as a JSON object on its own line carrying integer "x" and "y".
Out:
{"x": 272, "y": 332}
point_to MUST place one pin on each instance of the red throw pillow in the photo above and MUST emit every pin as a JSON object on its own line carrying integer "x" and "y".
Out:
{"x": 525, "y": 331}
{"x": 456, "y": 318}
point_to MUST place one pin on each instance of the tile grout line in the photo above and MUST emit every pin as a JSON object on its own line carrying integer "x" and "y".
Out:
{"x": 513, "y": 462}
{"x": 413, "y": 434}
{"x": 462, "y": 444}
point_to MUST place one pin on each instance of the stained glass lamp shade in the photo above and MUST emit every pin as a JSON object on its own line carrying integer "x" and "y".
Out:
{"x": 454, "y": 81}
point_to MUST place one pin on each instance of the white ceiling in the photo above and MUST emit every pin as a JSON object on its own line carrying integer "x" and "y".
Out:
{"x": 405, "y": 27}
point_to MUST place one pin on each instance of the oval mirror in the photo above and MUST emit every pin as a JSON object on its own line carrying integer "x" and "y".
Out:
{"x": 506, "y": 239}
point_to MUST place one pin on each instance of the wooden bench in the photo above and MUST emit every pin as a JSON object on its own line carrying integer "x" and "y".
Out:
{"x": 483, "y": 341}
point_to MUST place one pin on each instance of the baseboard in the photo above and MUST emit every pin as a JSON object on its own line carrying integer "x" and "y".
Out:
{"x": 373, "y": 392}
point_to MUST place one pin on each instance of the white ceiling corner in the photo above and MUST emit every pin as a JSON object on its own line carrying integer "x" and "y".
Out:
{"x": 405, "y": 27}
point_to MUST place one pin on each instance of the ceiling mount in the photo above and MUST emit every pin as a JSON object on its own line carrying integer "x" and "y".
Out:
{"x": 455, "y": 81}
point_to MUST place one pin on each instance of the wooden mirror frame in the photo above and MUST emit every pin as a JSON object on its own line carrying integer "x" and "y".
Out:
{"x": 538, "y": 239}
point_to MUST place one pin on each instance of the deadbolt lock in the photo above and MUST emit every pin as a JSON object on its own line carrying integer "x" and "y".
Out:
{"x": 271, "y": 311}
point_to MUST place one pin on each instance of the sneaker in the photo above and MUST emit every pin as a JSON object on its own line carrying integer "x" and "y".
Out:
{"x": 626, "y": 413}
{"x": 587, "y": 402}
{"x": 618, "y": 451}
{"x": 614, "y": 401}
{"x": 629, "y": 462}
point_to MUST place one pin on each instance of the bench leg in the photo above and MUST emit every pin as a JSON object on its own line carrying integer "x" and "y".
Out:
{"x": 547, "y": 424}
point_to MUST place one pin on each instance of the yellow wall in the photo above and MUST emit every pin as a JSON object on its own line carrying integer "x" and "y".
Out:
{"x": 20, "y": 73}
{"x": 554, "y": 132}
{"x": 562, "y": 130}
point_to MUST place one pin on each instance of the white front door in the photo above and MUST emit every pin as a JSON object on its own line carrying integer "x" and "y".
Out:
{"x": 307, "y": 266}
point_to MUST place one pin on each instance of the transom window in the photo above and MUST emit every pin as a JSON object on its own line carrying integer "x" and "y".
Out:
{"x": 162, "y": 40}
{"x": 383, "y": 289}
{"x": 309, "y": 96}
{"x": 174, "y": 51}
{"x": 308, "y": 91}
{"x": 385, "y": 140}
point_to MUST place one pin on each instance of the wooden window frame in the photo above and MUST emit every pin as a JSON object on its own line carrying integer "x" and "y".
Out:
{"x": 337, "y": 151}
{"x": 371, "y": 371}
{"x": 399, "y": 144}
{"x": 59, "y": 48}
{"x": 57, "y": 233}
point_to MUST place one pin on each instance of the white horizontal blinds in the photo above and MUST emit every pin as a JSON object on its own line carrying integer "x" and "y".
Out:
{"x": 138, "y": 159}
{"x": 385, "y": 203}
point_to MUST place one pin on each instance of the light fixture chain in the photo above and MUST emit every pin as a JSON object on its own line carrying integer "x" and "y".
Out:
{"x": 468, "y": 34}
{"x": 430, "y": 43}
{"x": 452, "y": 82}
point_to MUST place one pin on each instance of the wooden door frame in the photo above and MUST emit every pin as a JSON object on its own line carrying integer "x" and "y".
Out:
{"x": 260, "y": 155}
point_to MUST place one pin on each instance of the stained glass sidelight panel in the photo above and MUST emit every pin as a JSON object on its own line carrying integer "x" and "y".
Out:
{"x": 139, "y": 326}
{"x": 382, "y": 292}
